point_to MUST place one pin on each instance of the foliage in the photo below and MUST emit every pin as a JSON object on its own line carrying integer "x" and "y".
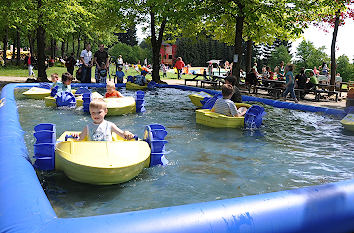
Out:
{"x": 309, "y": 56}
{"x": 130, "y": 54}
{"x": 198, "y": 52}
{"x": 279, "y": 54}
{"x": 345, "y": 68}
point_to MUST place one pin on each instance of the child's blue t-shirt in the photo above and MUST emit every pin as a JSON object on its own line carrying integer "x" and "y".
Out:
{"x": 140, "y": 80}
{"x": 120, "y": 74}
{"x": 63, "y": 87}
{"x": 57, "y": 83}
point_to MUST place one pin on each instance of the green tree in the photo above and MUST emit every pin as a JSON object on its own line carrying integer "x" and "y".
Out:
{"x": 309, "y": 56}
{"x": 334, "y": 13}
{"x": 258, "y": 21}
{"x": 345, "y": 68}
{"x": 163, "y": 18}
{"x": 130, "y": 54}
{"x": 280, "y": 53}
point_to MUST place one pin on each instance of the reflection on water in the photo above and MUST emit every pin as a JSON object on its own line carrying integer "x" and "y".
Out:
{"x": 293, "y": 149}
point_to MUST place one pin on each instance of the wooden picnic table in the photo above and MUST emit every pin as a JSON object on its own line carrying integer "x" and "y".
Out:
{"x": 195, "y": 79}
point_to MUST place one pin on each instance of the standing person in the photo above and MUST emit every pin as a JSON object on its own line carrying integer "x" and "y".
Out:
{"x": 290, "y": 83}
{"x": 101, "y": 57}
{"x": 29, "y": 61}
{"x": 210, "y": 69}
{"x": 120, "y": 61}
{"x": 70, "y": 63}
{"x": 281, "y": 71}
{"x": 179, "y": 66}
{"x": 86, "y": 60}
{"x": 164, "y": 71}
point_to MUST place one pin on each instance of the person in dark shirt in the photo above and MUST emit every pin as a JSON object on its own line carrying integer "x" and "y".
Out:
{"x": 100, "y": 56}
{"x": 70, "y": 63}
{"x": 251, "y": 79}
{"x": 301, "y": 80}
{"x": 236, "y": 97}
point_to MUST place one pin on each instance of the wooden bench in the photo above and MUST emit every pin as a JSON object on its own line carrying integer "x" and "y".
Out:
{"x": 194, "y": 79}
{"x": 273, "y": 91}
{"x": 329, "y": 93}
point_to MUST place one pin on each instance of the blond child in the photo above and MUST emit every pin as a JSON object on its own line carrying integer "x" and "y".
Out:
{"x": 54, "y": 77}
{"x": 111, "y": 91}
{"x": 225, "y": 106}
{"x": 100, "y": 129}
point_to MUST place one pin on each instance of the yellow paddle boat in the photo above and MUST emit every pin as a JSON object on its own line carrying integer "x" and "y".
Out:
{"x": 212, "y": 119}
{"x": 98, "y": 162}
{"x": 51, "y": 101}
{"x": 196, "y": 98}
{"x": 37, "y": 93}
{"x": 101, "y": 163}
{"x": 348, "y": 122}
{"x": 133, "y": 86}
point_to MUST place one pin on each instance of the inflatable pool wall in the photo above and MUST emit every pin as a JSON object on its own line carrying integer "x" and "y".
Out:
{"x": 25, "y": 207}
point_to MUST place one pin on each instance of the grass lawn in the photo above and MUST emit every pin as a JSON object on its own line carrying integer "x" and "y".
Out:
{"x": 23, "y": 72}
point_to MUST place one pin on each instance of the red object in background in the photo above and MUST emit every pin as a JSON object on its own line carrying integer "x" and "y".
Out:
{"x": 168, "y": 53}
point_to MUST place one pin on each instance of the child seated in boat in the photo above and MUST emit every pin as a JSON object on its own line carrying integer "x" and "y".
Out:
{"x": 111, "y": 91}
{"x": 140, "y": 79}
{"x": 54, "y": 77}
{"x": 100, "y": 129}
{"x": 225, "y": 106}
{"x": 65, "y": 84}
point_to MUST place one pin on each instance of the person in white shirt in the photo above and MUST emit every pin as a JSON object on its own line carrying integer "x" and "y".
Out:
{"x": 225, "y": 106}
{"x": 86, "y": 60}
{"x": 100, "y": 129}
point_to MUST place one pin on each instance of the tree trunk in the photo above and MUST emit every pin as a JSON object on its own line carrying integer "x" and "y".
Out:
{"x": 13, "y": 49}
{"x": 156, "y": 45}
{"x": 333, "y": 50}
{"x": 42, "y": 75}
{"x": 73, "y": 44}
{"x": 18, "y": 45}
{"x": 238, "y": 46}
{"x": 249, "y": 56}
{"x": 78, "y": 46}
{"x": 54, "y": 48}
{"x": 30, "y": 42}
{"x": 4, "y": 48}
{"x": 62, "y": 49}
{"x": 67, "y": 47}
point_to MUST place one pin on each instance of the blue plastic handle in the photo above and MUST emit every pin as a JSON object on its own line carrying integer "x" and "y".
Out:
{"x": 70, "y": 136}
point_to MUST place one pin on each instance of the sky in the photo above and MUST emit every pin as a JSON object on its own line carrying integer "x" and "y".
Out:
{"x": 344, "y": 44}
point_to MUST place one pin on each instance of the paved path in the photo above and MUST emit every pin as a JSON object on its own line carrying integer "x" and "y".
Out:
{"x": 323, "y": 103}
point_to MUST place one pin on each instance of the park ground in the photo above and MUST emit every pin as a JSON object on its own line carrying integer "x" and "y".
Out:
{"x": 16, "y": 75}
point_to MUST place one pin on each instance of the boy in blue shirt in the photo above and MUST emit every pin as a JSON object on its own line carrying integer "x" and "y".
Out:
{"x": 120, "y": 75}
{"x": 140, "y": 79}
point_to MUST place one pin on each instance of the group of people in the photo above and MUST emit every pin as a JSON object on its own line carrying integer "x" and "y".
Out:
{"x": 99, "y": 129}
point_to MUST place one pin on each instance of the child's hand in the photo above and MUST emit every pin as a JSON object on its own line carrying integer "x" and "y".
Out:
{"x": 128, "y": 135}
{"x": 76, "y": 136}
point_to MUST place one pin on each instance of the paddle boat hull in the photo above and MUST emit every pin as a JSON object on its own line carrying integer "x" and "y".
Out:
{"x": 212, "y": 119}
{"x": 133, "y": 86}
{"x": 101, "y": 163}
{"x": 37, "y": 93}
{"x": 51, "y": 101}
{"x": 120, "y": 106}
{"x": 196, "y": 98}
{"x": 348, "y": 122}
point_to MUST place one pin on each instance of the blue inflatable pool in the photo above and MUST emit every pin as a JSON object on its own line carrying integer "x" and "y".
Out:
{"x": 24, "y": 206}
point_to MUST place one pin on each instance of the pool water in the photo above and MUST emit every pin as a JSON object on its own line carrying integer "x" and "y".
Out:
{"x": 293, "y": 149}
